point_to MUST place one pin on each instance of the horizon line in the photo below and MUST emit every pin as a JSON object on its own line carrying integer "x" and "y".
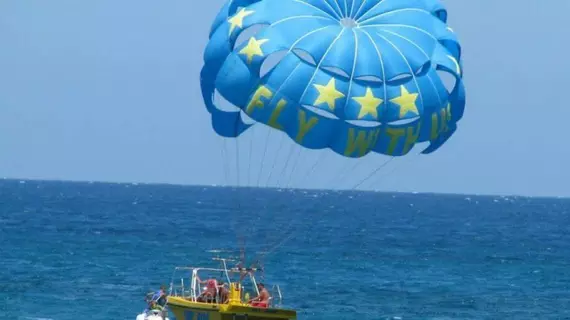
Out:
{"x": 156, "y": 183}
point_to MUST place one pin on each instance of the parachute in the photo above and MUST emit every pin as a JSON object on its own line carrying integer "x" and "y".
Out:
{"x": 355, "y": 76}
{"x": 351, "y": 77}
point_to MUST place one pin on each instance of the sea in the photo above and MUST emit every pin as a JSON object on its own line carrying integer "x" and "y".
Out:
{"x": 71, "y": 250}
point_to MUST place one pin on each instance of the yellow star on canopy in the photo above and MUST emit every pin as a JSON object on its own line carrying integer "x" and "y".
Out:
{"x": 237, "y": 19}
{"x": 406, "y": 101}
{"x": 328, "y": 94}
{"x": 368, "y": 104}
{"x": 253, "y": 48}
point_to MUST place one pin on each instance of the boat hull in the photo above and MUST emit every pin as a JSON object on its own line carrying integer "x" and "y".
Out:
{"x": 147, "y": 316}
{"x": 184, "y": 309}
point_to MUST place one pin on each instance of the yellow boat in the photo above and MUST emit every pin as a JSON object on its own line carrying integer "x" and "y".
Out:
{"x": 187, "y": 302}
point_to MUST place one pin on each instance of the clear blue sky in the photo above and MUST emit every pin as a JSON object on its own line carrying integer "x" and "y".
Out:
{"x": 109, "y": 90}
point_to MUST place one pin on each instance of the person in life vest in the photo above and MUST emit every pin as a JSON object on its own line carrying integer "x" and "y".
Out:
{"x": 262, "y": 300}
{"x": 209, "y": 294}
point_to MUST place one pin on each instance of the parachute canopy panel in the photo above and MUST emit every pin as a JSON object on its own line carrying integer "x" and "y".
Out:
{"x": 340, "y": 62}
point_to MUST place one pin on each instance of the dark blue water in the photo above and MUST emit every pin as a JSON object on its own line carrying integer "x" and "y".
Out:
{"x": 91, "y": 251}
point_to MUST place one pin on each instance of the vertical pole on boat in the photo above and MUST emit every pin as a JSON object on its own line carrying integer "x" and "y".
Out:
{"x": 226, "y": 271}
{"x": 254, "y": 283}
{"x": 280, "y": 295}
{"x": 194, "y": 282}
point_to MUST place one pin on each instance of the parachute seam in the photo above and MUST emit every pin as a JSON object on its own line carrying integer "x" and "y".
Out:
{"x": 409, "y": 67}
{"x": 344, "y": 170}
{"x": 397, "y": 25}
{"x": 383, "y": 14}
{"x": 299, "y": 17}
{"x": 417, "y": 29}
{"x": 408, "y": 40}
{"x": 436, "y": 91}
{"x": 348, "y": 94}
{"x": 319, "y": 64}
{"x": 319, "y": 9}
{"x": 425, "y": 54}
{"x": 381, "y": 67}
{"x": 359, "y": 9}
{"x": 339, "y": 9}
{"x": 306, "y": 35}
{"x": 373, "y": 7}
{"x": 351, "y": 9}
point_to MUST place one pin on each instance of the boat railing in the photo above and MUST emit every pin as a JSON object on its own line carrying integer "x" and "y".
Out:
{"x": 275, "y": 297}
{"x": 189, "y": 288}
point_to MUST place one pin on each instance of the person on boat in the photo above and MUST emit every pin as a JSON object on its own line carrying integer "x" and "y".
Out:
{"x": 211, "y": 290}
{"x": 160, "y": 296}
{"x": 223, "y": 292}
{"x": 262, "y": 300}
{"x": 151, "y": 303}
{"x": 157, "y": 301}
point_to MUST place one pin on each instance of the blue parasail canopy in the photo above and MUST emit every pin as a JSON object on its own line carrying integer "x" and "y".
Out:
{"x": 355, "y": 76}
